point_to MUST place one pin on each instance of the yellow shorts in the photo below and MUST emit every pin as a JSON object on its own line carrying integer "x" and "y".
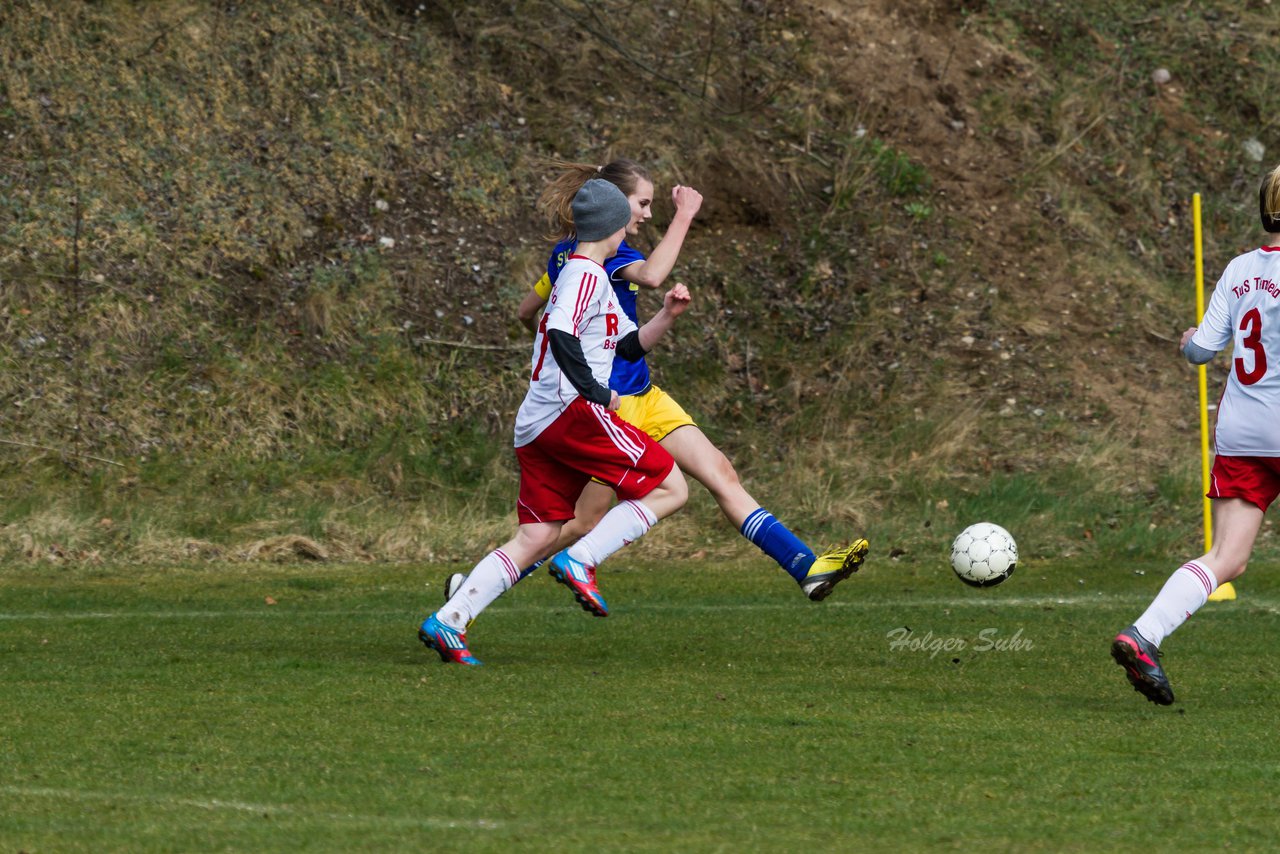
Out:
{"x": 655, "y": 412}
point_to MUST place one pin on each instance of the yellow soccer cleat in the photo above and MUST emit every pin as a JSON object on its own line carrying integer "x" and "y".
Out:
{"x": 832, "y": 567}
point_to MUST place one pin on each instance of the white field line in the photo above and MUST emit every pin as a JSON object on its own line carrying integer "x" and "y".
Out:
{"x": 1095, "y": 601}
{"x": 216, "y": 804}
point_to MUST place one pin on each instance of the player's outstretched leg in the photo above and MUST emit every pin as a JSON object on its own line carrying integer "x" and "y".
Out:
{"x": 580, "y": 578}
{"x": 449, "y": 644}
{"x": 1141, "y": 662}
{"x": 832, "y": 567}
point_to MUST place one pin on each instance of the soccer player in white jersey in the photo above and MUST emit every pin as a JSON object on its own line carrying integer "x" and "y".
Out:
{"x": 651, "y": 408}
{"x": 567, "y": 432}
{"x": 1245, "y": 312}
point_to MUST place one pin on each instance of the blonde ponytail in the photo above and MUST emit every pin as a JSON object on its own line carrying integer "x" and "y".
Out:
{"x": 556, "y": 201}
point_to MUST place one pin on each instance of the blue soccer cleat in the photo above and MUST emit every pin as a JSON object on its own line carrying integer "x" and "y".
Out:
{"x": 449, "y": 644}
{"x": 581, "y": 579}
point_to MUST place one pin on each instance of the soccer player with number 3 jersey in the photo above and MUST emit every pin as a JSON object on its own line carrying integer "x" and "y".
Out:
{"x": 567, "y": 432}
{"x": 1244, "y": 311}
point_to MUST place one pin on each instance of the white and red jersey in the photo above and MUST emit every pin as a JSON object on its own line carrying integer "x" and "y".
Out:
{"x": 583, "y": 305}
{"x": 1245, "y": 310}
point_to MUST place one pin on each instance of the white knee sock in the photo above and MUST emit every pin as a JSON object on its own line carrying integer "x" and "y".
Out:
{"x": 1182, "y": 595}
{"x": 627, "y": 522}
{"x": 492, "y": 577}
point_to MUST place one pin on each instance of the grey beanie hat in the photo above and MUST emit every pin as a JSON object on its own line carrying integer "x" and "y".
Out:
{"x": 599, "y": 210}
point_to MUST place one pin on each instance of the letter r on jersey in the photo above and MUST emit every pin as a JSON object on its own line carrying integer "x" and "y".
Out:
{"x": 611, "y": 324}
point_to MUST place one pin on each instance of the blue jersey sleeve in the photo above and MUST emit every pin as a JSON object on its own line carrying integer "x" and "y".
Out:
{"x": 625, "y": 257}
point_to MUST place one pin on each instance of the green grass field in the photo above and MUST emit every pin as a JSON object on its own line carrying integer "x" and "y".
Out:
{"x": 291, "y": 708}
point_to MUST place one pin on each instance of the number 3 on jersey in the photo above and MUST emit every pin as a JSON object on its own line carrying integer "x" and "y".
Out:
{"x": 1251, "y": 326}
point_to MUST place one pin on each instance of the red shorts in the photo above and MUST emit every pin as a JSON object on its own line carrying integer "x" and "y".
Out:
{"x": 586, "y": 441}
{"x": 1254, "y": 479}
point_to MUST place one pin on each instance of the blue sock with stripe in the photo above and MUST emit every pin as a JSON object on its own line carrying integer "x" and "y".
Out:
{"x": 529, "y": 570}
{"x": 773, "y": 538}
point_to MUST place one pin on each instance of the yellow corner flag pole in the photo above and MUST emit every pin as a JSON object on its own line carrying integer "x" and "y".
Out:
{"x": 1225, "y": 592}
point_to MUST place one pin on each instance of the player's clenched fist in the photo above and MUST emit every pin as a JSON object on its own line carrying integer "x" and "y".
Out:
{"x": 686, "y": 200}
{"x": 677, "y": 300}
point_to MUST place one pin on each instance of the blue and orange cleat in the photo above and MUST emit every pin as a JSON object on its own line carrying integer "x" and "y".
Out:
{"x": 581, "y": 579}
{"x": 1140, "y": 659}
{"x": 449, "y": 644}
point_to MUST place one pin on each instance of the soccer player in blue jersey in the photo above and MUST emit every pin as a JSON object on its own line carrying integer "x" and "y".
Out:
{"x": 649, "y": 407}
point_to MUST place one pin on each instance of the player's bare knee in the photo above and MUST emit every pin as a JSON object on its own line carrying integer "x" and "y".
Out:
{"x": 677, "y": 488}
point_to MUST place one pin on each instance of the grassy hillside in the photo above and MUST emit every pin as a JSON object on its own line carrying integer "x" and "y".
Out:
{"x": 259, "y": 262}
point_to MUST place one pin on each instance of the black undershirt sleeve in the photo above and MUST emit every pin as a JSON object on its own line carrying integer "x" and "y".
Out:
{"x": 569, "y": 356}
{"x": 629, "y": 347}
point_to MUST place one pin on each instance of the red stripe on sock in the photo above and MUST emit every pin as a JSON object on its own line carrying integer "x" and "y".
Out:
{"x": 1202, "y": 574}
{"x": 512, "y": 571}
{"x": 639, "y": 511}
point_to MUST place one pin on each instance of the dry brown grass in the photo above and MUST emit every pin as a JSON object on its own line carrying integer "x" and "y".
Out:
{"x": 266, "y": 257}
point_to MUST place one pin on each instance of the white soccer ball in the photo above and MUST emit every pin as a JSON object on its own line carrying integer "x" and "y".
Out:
{"x": 984, "y": 555}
